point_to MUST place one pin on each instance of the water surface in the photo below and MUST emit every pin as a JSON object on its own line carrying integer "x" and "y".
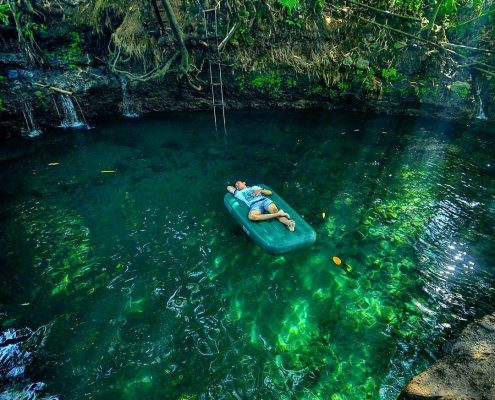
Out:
{"x": 137, "y": 283}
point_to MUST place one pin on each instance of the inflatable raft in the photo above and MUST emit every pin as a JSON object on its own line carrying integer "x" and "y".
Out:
{"x": 271, "y": 235}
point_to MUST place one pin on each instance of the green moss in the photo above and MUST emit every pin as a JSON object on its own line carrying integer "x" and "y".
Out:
{"x": 269, "y": 83}
{"x": 315, "y": 89}
{"x": 332, "y": 93}
{"x": 343, "y": 86}
{"x": 266, "y": 82}
{"x": 4, "y": 13}
{"x": 41, "y": 97}
{"x": 74, "y": 51}
{"x": 461, "y": 89}
{"x": 289, "y": 4}
{"x": 389, "y": 73}
{"x": 67, "y": 259}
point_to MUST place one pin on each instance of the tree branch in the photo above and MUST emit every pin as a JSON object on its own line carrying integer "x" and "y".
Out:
{"x": 227, "y": 38}
{"x": 418, "y": 38}
{"x": 392, "y": 14}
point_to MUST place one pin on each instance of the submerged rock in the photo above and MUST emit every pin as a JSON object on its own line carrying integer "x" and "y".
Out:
{"x": 467, "y": 370}
{"x": 18, "y": 351}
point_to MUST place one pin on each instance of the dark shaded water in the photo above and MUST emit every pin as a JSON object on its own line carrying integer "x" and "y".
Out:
{"x": 137, "y": 284}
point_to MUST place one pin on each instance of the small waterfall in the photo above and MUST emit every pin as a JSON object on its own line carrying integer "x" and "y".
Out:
{"x": 126, "y": 105}
{"x": 31, "y": 128}
{"x": 481, "y": 113}
{"x": 71, "y": 117}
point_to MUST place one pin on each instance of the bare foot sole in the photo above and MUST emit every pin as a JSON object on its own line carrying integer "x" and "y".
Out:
{"x": 292, "y": 226}
{"x": 284, "y": 214}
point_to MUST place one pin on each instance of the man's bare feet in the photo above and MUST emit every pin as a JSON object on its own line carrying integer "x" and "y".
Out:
{"x": 292, "y": 226}
{"x": 282, "y": 213}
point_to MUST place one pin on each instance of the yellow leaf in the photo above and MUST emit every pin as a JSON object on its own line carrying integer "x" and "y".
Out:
{"x": 336, "y": 260}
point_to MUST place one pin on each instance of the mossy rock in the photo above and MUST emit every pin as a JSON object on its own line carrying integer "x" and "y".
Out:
{"x": 462, "y": 89}
{"x": 361, "y": 63}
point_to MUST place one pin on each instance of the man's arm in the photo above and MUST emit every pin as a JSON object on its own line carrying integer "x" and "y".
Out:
{"x": 231, "y": 189}
{"x": 266, "y": 192}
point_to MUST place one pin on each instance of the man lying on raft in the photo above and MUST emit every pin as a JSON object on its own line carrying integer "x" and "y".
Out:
{"x": 255, "y": 199}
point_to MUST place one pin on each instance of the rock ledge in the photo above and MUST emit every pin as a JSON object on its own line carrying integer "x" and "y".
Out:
{"x": 465, "y": 372}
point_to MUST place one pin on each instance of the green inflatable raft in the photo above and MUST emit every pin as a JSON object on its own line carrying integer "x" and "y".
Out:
{"x": 271, "y": 235}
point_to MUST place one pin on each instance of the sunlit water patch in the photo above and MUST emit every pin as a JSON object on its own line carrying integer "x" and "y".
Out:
{"x": 126, "y": 278}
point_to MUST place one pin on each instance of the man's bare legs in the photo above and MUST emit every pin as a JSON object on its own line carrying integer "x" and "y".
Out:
{"x": 257, "y": 215}
{"x": 282, "y": 216}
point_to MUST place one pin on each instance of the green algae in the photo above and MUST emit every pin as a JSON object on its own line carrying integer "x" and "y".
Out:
{"x": 65, "y": 257}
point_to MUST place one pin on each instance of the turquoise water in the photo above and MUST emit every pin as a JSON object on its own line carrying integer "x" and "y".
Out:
{"x": 137, "y": 283}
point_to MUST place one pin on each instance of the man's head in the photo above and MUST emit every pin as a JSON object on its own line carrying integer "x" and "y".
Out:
{"x": 240, "y": 185}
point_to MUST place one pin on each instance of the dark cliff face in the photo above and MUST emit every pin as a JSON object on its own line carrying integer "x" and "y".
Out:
{"x": 101, "y": 94}
{"x": 466, "y": 371}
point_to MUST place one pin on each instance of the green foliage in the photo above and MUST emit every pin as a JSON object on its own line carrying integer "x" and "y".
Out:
{"x": 74, "y": 50}
{"x": 4, "y": 14}
{"x": 461, "y": 89}
{"x": 332, "y": 93}
{"x": 343, "y": 86}
{"x": 449, "y": 7}
{"x": 266, "y": 82}
{"x": 2, "y": 104}
{"x": 291, "y": 83}
{"x": 389, "y": 73}
{"x": 289, "y": 4}
{"x": 315, "y": 90}
{"x": 269, "y": 83}
{"x": 296, "y": 22}
{"x": 41, "y": 97}
{"x": 370, "y": 82}
{"x": 407, "y": 5}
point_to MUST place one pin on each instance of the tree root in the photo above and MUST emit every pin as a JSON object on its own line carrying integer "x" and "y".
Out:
{"x": 156, "y": 73}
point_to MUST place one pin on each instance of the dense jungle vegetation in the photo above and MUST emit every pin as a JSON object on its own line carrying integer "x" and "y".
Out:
{"x": 335, "y": 43}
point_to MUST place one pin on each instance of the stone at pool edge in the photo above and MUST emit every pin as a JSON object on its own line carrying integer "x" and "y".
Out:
{"x": 465, "y": 372}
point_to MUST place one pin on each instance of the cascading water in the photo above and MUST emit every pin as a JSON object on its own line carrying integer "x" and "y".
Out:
{"x": 126, "y": 105}
{"x": 481, "y": 113}
{"x": 31, "y": 128}
{"x": 71, "y": 118}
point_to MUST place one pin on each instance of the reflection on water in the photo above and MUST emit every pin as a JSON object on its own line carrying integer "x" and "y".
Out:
{"x": 139, "y": 284}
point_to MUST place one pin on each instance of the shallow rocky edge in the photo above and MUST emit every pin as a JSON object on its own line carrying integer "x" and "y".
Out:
{"x": 465, "y": 372}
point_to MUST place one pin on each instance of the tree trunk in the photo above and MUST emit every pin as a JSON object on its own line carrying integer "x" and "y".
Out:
{"x": 178, "y": 35}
